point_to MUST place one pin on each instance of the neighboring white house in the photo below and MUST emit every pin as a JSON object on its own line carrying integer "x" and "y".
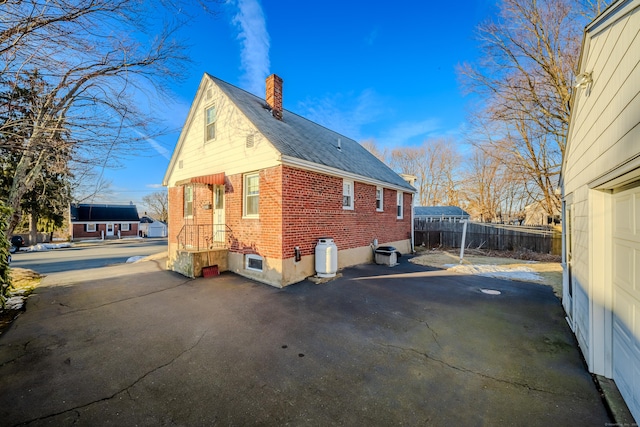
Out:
{"x": 536, "y": 214}
{"x": 601, "y": 200}
{"x": 150, "y": 227}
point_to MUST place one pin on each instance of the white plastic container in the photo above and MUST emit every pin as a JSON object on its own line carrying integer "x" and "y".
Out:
{"x": 326, "y": 257}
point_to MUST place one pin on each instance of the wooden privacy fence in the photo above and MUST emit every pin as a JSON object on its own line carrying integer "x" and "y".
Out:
{"x": 487, "y": 236}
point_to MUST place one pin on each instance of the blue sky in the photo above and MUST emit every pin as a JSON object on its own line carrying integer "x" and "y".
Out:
{"x": 371, "y": 70}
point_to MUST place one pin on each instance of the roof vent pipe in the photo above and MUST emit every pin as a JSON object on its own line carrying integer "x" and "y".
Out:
{"x": 339, "y": 144}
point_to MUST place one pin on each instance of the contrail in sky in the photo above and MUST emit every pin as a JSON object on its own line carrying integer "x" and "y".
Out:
{"x": 254, "y": 39}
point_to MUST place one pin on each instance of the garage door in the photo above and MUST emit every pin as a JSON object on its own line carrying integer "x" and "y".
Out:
{"x": 626, "y": 296}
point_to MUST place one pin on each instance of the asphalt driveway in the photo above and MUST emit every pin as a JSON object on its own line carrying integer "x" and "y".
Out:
{"x": 137, "y": 345}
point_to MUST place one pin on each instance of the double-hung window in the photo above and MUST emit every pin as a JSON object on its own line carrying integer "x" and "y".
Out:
{"x": 347, "y": 194}
{"x": 210, "y": 117}
{"x": 188, "y": 201}
{"x": 251, "y": 193}
{"x": 125, "y": 227}
{"x": 91, "y": 228}
{"x": 399, "y": 199}
{"x": 379, "y": 199}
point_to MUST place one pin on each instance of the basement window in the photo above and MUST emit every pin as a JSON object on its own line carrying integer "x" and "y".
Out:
{"x": 253, "y": 262}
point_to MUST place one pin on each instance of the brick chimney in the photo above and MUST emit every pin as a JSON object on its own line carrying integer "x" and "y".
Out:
{"x": 274, "y": 95}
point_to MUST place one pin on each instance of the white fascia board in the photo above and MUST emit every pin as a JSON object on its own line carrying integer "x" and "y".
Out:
{"x": 327, "y": 170}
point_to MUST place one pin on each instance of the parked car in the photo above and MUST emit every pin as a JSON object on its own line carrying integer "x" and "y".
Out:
{"x": 16, "y": 243}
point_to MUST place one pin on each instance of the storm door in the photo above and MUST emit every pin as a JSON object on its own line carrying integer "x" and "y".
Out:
{"x": 218, "y": 214}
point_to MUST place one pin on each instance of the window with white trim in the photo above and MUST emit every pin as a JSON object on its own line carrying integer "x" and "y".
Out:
{"x": 347, "y": 194}
{"x": 188, "y": 201}
{"x": 91, "y": 228}
{"x": 253, "y": 262}
{"x": 251, "y": 195}
{"x": 399, "y": 199}
{"x": 379, "y": 199}
{"x": 125, "y": 227}
{"x": 210, "y": 120}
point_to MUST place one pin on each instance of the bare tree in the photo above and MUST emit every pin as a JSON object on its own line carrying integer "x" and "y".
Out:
{"x": 371, "y": 146}
{"x": 435, "y": 164}
{"x": 158, "y": 204}
{"x": 97, "y": 59}
{"x": 530, "y": 56}
{"x": 491, "y": 190}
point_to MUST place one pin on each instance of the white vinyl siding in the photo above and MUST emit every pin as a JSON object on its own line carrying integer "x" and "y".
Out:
{"x": 251, "y": 195}
{"x": 602, "y": 144}
{"x": 347, "y": 194}
{"x": 232, "y": 128}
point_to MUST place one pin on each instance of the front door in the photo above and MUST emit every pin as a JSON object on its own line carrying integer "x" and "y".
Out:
{"x": 110, "y": 229}
{"x": 218, "y": 214}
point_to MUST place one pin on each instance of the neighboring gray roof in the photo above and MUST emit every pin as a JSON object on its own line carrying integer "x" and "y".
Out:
{"x": 438, "y": 211}
{"x": 103, "y": 213}
{"x": 303, "y": 139}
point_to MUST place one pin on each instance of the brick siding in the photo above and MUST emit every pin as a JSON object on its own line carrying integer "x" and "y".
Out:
{"x": 297, "y": 207}
{"x": 80, "y": 233}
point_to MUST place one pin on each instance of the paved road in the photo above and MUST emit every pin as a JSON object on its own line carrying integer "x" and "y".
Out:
{"x": 86, "y": 256}
{"x": 134, "y": 344}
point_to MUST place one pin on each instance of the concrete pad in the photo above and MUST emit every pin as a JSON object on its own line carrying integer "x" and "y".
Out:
{"x": 137, "y": 345}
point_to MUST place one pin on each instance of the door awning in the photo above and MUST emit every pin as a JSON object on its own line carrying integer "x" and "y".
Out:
{"x": 213, "y": 179}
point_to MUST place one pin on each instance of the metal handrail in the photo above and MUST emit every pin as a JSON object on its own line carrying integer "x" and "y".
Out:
{"x": 203, "y": 236}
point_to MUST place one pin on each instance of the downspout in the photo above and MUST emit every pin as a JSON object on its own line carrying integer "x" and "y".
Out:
{"x": 413, "y": 195}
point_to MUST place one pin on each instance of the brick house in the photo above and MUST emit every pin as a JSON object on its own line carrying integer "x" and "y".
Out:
{"x": 99, "y": 221}
{"x": 252, "y": 187}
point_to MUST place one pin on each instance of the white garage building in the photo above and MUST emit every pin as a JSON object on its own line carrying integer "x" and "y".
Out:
{"x": 601, "y": 200}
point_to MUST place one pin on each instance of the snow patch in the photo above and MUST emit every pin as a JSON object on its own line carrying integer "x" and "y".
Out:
{"x": 134, "y": 259}
{"x": 42, "y": 247}
{"x": 498, "y": 271}
{"x": 14, "y": 303}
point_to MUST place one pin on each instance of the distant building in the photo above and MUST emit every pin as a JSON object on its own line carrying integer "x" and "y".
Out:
{"x": 536, "y": 214}
{"x": 440, "y": 213}
{"x": 102, "y": 221}
{"x": 150, "y": 227}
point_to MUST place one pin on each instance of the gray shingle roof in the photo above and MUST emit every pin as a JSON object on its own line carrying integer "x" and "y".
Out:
{"x": 439, "y": 211}
{"x": 303, "y": 139}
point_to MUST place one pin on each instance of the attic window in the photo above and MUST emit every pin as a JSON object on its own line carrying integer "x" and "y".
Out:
{"x": 210, "y": 124}
{"x": 250, "y": 141}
